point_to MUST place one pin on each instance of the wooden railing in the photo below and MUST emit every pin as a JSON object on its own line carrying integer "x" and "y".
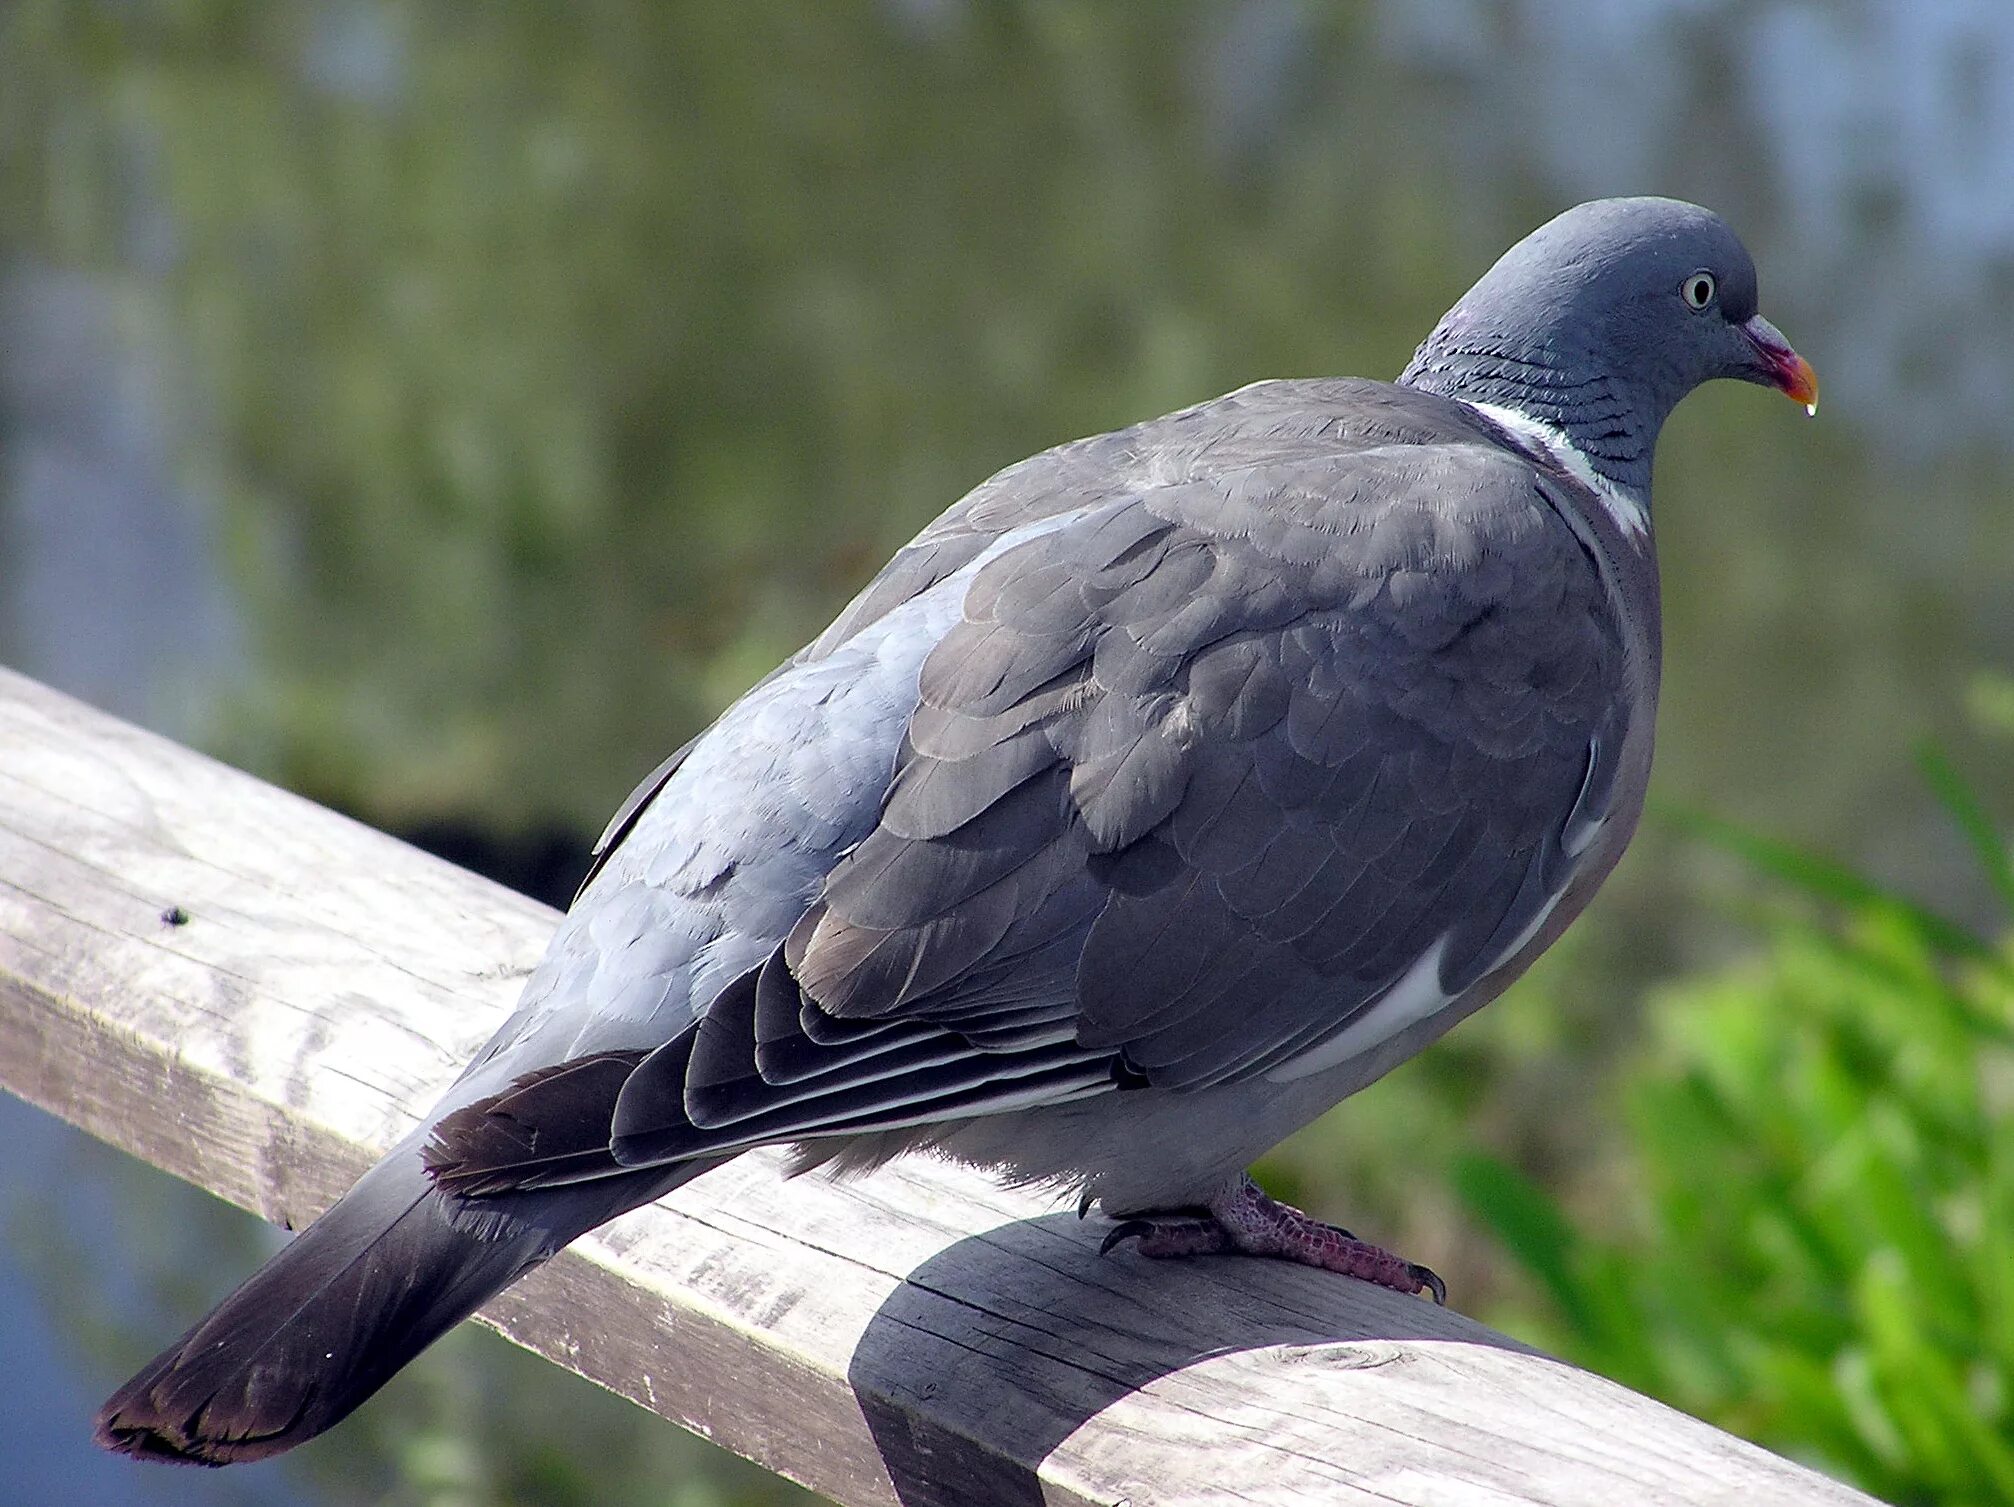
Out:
{"x": 260, "y": 995}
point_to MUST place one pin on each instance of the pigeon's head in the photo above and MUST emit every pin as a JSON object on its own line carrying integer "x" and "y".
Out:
{"x": 1602, "y": 319}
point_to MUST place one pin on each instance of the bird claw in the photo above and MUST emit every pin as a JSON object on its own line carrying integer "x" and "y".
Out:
{"x": 1430, "y": 1280}
{"x": 1132, "y": 1229}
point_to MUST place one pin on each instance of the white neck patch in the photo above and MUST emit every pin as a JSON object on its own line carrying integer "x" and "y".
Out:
{"x": 1628, "y": 511}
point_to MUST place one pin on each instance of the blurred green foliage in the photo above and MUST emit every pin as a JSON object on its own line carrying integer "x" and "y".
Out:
{"x": 1815, "y": 1187}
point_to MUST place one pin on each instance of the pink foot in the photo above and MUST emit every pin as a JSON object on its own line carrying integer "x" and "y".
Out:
{"x": 1251, "y": 1224}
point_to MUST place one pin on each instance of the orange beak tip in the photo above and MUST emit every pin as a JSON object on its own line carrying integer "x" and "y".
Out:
{"x": 1785, "y": 370}
{"x": 1801, "y": 384}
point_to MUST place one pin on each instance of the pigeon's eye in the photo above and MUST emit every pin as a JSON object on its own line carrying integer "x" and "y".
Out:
{"x": 1698, "y": 290}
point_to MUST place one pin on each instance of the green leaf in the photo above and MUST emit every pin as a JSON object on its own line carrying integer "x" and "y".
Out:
{"x": 1533, "y": 1228}
{"x": 1922, "y": 1389}
{"x": 1963, "y": 807}
{"x": 1826, "y": 879}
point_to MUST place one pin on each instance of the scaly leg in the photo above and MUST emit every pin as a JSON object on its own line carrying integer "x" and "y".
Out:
{"x": 1249, "y": 1223}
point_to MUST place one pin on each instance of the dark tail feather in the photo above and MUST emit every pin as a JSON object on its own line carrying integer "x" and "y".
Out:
{"x": 328, "y": 1320}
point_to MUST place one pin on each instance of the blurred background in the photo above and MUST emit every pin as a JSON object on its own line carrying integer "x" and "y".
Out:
{"x": 445, "y": 410}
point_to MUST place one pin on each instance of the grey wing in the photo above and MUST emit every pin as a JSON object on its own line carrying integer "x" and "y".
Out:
{"x": 1233, "y": 774}
{"x": 1258, "y": 747}
{"x": 1234, "y": 777}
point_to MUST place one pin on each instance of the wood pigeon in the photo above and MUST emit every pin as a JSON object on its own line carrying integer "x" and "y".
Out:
{"x": 1175, "y": 784}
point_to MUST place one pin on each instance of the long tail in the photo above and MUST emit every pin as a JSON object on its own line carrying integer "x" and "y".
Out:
{"x": 319, "y": 1328}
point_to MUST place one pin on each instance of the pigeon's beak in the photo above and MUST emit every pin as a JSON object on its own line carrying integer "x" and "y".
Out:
{"x": 1780, "y": 366}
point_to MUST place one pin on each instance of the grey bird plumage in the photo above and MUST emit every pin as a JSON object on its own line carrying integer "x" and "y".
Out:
{"x": 1172, "y": 786}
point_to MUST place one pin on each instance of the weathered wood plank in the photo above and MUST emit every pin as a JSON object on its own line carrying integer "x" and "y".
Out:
{"x": 921, "y": 1337}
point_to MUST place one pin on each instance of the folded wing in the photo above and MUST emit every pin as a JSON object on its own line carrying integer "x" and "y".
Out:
{"x": 1277, "y": 738}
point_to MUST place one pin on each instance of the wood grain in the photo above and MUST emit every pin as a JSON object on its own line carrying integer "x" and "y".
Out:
{"x": 258, "y": 995}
